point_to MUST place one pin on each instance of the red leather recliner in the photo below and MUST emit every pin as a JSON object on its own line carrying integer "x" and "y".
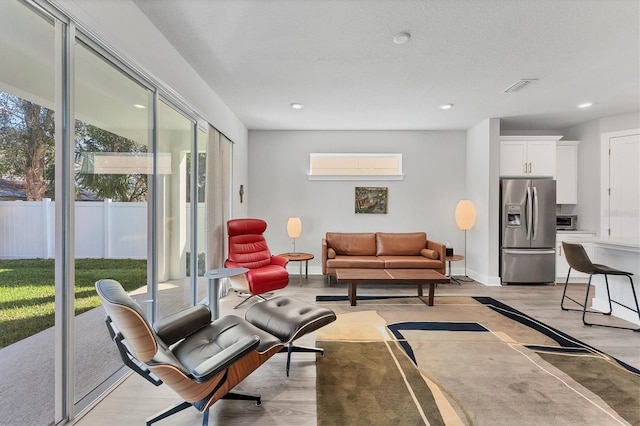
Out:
{"x": 248, "y": 249}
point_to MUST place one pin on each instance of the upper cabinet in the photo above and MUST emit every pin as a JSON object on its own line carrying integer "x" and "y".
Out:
{"x": 528, "y": 156}
{"x": 567, "y": 172}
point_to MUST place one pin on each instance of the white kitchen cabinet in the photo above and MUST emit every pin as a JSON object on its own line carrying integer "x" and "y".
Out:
{"x": 562, "y": 267}
{"x": 528, "y": 156}
{"x": 567, "y": 172}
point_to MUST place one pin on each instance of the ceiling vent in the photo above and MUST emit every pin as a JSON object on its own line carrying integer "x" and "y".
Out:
{"x": 520, "y": 85}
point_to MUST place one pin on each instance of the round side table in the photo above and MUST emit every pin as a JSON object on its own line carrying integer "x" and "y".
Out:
{"x": 453, "y": 258}
{"x": 299, "y": 257}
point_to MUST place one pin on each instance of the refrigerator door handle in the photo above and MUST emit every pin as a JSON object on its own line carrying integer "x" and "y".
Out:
{"x": 535, "y": 213}
{"x": 529, "y": 212}
{"x": 521, "y": 251}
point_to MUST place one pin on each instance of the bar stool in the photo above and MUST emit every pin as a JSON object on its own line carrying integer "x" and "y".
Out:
{"x": 579, "y": 260}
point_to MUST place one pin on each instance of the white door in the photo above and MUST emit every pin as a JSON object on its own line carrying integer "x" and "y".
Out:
{"x": 624, "y": 182}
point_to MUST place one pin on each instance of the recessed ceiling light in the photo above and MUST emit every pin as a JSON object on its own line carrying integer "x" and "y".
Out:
{"x": 139, "y": 106}
{"x": 446, "y": 106}
{"x": 297, "y": 105}
{"x": 585, "y": 105}
{"x": 401, "y": 38}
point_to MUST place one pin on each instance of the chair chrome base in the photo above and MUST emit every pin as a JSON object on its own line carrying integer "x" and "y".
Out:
{"x": 249, "y": 297}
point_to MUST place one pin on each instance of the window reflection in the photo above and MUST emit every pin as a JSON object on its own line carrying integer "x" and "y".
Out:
{"x": 113, "y": 164}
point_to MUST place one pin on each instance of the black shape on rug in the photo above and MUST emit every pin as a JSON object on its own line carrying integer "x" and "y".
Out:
{"x": 396, "y": 328}
{"x": 570, "y": 344}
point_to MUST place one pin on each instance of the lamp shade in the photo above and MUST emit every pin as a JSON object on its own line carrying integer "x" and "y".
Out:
{"x": 294, "y": 227}
{"x": 465, "y": 214}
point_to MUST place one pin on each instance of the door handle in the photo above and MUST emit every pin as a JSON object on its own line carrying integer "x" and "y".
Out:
{"x": 524, "y": 168}
{"x": 528, "y": 252}
{"x": 529, "y": 167}
{"x": 535, "y": 213}
{"x": 528, "y": 222}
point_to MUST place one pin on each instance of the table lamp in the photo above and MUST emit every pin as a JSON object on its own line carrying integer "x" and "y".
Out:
{"x": 294, "y": 229}
{"x": 465, "y": 218}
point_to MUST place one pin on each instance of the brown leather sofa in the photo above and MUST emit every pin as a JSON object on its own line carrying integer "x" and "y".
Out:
{"x": 381, "y": 250}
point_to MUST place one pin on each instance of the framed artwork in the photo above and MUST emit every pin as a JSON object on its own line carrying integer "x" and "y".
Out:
{"x": 371, "y": 200}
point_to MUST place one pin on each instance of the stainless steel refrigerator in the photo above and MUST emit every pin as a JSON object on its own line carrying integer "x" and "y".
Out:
{"x": 528, "y": 231}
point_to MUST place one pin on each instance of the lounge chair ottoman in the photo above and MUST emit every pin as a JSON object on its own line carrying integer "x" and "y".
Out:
{"x": 289, "y": 319}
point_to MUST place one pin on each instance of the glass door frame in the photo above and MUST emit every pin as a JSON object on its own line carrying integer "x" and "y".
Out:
{"x": 66, "y": 31}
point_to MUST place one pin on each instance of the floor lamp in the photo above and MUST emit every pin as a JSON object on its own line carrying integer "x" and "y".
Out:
{"x": 465, "y": 218}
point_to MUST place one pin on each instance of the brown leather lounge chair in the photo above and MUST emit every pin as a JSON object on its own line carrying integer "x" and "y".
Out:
{"x": 200, "y": 359}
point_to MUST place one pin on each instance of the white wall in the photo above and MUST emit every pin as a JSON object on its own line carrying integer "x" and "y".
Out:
{"x": 482, "y": 187}
{"x": 588, "y": 207}
{"x": 434, "y": 167}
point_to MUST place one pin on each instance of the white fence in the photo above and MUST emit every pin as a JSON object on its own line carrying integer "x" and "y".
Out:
{"x": 102, "y": 229}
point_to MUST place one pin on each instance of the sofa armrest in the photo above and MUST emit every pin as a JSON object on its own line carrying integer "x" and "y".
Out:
{"x": 440, "y": 248}
{"x": 324, "y": 256}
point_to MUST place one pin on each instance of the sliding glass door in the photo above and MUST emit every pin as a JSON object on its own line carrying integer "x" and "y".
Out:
{"x": 27, "y": 215}
{"x": 113, "y": 165}
{"x": 176, "y": 139}
{"x": 102, "y": 176}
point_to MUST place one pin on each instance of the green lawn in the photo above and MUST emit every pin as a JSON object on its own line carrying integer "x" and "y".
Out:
{"x": 27, "y": 291}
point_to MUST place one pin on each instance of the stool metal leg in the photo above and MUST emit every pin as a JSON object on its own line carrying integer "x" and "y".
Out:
{"x": 564, "y": 294}
{"x": 635, "y": 298}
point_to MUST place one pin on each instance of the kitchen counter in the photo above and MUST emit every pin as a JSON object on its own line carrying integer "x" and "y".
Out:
{"x": 621, "y": 253}
{"x": 626, "y": 243}
{"x": 577, "y": 231}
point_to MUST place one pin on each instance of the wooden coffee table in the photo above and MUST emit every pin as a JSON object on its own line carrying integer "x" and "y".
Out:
{"x": 419, "y": 277}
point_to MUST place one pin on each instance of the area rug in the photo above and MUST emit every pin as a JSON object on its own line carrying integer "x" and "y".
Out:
{"x": 464, "y": 361}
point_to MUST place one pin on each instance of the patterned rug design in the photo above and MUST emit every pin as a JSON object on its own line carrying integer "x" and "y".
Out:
{"x": 464, "y": 361}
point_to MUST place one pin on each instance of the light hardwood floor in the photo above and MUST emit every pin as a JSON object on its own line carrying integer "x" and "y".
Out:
{"x": 292, "y": 400}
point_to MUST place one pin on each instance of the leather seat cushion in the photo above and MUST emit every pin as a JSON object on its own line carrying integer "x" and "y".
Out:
{"x": 409, "y": 262}
{"x": 355, "y": 262}
{"x": 288, "y": 318}
{"x": 219, "y": 335}
{"x": 268, "y": 278}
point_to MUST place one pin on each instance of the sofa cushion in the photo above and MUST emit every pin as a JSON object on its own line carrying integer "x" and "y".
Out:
{"x": 400, "y": 244}
{"x": 410, "y": 262}
{"x": 365, "y": 262}
{"x": 331, "y": 253}
{"x": 352, "y": 244}
{"x": 431, "y": 254}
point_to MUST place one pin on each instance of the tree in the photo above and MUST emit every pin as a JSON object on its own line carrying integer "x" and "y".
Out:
{"x": 27, "y": 151}
{"x": 126, "y": 187}
{"x": 201, "y": 179}
{"x": 27, "y": 144}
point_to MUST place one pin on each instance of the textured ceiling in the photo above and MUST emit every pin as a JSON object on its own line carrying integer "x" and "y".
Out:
{"x": 338, "y": 58}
